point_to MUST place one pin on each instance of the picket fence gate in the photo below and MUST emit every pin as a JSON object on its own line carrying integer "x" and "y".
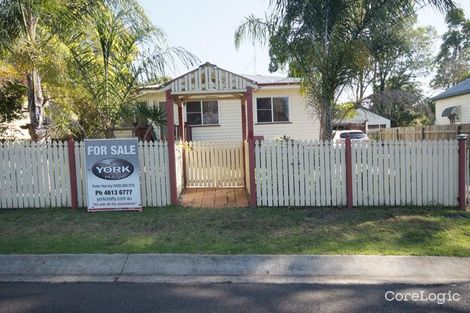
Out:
{"x": 214, "y": 164}
{"x": 301, "y": 173}
{"x": 38, "y": 174}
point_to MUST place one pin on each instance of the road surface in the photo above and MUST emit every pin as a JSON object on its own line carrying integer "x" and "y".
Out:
{"x": 227, "y": 298}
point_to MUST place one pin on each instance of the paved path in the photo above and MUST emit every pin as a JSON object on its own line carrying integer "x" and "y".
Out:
{"x": 235, "y": 268}
{"x": 214, "y": 198}
{"x": 226, "y": 298}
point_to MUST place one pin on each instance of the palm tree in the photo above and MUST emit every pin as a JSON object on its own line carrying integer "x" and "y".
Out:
{"x": 26, "y": 29}
{"x": 19, "y": 22}
{"x": 324, "y": 42}
{"x": 114, "y": 48}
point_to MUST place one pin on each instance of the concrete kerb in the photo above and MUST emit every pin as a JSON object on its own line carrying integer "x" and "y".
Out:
{"x": 184, "y": 268}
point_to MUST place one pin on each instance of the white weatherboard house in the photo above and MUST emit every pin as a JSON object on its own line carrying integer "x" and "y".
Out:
{"x": 453, "y": 105}
{"x": 209, "y": 100}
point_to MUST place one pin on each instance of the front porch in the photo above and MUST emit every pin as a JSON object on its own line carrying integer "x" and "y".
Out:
{"x": 210, "y": 164}
{"x": 214, "y": 198}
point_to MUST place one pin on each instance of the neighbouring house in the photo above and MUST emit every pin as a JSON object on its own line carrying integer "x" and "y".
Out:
{"x": 208, "y": 101}
{"x": 453, "y": 105}
{"x": 363, "y": 119}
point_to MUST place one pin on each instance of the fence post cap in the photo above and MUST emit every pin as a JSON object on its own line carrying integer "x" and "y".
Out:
{"x": 462, "y": 137}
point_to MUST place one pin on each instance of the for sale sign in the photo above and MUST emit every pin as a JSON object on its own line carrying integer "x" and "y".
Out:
{"x": 113, "y": 180}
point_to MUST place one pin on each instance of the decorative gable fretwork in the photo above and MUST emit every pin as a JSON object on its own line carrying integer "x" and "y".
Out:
{"x": 207, "y": 79}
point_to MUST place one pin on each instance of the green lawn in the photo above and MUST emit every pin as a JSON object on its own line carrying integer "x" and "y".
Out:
{"x": 398, "y": 231}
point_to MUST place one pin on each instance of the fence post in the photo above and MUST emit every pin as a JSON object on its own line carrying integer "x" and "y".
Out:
{"x": 349, "y": 191}
{"x": 462, "y": 139}
{"x": 73, "y": 173}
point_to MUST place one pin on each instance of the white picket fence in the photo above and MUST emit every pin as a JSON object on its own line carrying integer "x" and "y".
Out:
{"x": 179, "y": 170}
{"x": 154, "y": 173}
{"x": 34, "y": 175}
{"x": 383, "y": 173}
{"x": 300, "y": 174}
{"x": 405, "y": 173}
{"x": 247, "y": 168}
{"x": 214, "y": 164}
{"x": 37, "y": 174}
{"x": 293, "y": 173}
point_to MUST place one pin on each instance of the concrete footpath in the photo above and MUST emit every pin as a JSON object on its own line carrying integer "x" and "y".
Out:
{"x": 190, "y": 268}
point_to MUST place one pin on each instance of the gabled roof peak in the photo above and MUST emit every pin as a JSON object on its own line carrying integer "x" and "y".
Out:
{"x": 208, "y": 78}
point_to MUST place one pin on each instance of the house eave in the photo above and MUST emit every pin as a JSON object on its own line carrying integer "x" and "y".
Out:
{"x": 456, "y": 94}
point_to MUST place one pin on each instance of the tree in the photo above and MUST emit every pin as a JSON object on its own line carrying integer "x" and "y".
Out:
{"x": 400, "y": 57}
{"x": 324, "y": 42}
{"x": 401, "y": 54}
{"x": 12, "y": 93}
{"x": 20, "y": 36}
{"x": 27, "y": 42}
{"x": 110, "y": 57}
{"x": 453, "y": 60}
{"x": 402, "y": 108}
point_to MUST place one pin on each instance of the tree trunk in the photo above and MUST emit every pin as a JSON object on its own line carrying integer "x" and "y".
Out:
{"x": 326, "y": 118}
{"x": 110, "y": 132}
{"x": 36, "y": 106}
{"x": 36, "y": 101}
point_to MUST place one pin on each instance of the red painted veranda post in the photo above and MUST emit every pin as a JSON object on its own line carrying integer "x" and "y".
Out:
{"x": 462, "y": 139}
{"x": 170, "y": 137}
{"x": 251, "y": 146}
{"x": 243, "y": 113}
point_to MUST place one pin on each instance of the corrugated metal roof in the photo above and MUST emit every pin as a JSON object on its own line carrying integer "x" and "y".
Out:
{"x": 272, "y": 80}
{"x": 365, "y": 115}
{"x": 459, "y": 89}
{"x": 258, "y": 79}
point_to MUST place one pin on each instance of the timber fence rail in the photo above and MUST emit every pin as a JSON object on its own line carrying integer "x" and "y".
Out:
{"x": 419, "y": 133}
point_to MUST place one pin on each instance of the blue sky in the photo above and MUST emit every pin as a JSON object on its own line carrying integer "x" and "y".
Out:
{"x": 206, "y": 27}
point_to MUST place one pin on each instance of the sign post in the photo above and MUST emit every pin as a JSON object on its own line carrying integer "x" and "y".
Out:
{"x": 113, "y": 175}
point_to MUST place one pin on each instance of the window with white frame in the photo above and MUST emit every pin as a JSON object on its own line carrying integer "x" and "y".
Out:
{"x": 272, "y": 109}
{"x": 202, "y": 112}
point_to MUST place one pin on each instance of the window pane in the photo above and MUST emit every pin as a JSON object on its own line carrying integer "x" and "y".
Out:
{"x": 193, "y": 106}
{"x": 353, "y": 135}
{"x": 210, "y": 111}
{"x": 263, "y": 103}
{"x": 193, "y": 119}
{"x": 281, "y": 109}
{"x": 264, "y": 116}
